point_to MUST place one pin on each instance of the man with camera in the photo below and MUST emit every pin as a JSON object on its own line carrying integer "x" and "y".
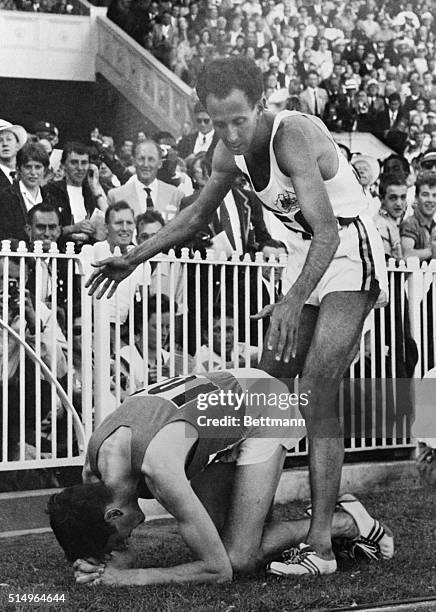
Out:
{"x": 144, "y": 191}
{"x": 49, "y": 344}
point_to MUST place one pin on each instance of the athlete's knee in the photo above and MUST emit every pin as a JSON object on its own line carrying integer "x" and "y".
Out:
{"x": 243, "y": 562}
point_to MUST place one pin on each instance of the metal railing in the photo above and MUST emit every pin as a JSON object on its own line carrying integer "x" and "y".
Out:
{"x": 41, "y": 410}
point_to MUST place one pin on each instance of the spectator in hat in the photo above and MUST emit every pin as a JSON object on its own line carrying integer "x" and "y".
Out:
{"x": 202, "y": 139}
{"x": 12, "y": 139}
{"x": 277, "y": 101}
{"x": 44, "y": 130}
{"x": 368, "y": 170}
{"x": 341, "y": 117}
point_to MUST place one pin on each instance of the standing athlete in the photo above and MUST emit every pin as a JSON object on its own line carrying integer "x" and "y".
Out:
{"x": 336, "y": 271}
{"x": 193, "y": 444}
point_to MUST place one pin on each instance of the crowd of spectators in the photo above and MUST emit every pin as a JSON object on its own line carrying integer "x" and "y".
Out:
{"x": 59, "y": 7}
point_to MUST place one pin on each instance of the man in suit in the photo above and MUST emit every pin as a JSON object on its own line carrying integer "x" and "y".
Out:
{"x": 388, "y": 118}
{"x": 313, "y": 99}
{"x": 204, "y": 139}
{"x": 144, "y": 190}
{"x": 12, "y": 139}
{"x": 240, "y": 217}
{"x": 77, "y": 195}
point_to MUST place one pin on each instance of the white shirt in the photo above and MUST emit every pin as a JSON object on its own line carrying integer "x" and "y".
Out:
{"x": 28, "y": 198}
{"x": 142, "y": 194}
{"x": 7, "y": 172}
{"x": 77, "y": 203}
{"x": 203, "y": 142}
{"x": 120, "y": 301}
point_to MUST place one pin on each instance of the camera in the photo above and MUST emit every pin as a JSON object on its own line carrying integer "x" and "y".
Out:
{"x": 164, "y": 149}
{"x": 13, "y": 295}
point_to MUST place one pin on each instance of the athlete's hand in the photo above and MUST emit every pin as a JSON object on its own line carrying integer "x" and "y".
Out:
{"x": 109, "y": 273}
{"x": 87, "y": 571}
{"x": 283, "y": 333}
{"x": 426, "y": 464}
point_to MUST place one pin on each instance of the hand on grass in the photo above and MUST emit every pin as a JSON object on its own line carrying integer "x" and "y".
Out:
{"x": 88, "y": 571}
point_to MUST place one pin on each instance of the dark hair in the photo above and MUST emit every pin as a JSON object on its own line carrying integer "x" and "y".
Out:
{"x": 206, "y": 166}
{"x": 152, "y": 309}
{"x": 276, "y": 244}
{"x": 77, "y": 519}
{"x": 425, "y": 178}
{"x": 220, "y": 76}
{"x": 162, "y": 135}
{"x": 74, "y": 147}
{"x": 121, "y": 205}
{"x": 387, "y": 180}
{"x": 401, "y": 159}
{"x": 43, "y": 207}
{"x": 151, "y": 216}
{"x": 33, "y": 151}
{"x": 346, "y": 150}
{"x": 229, "y": 310}
{"x": 145, "y": 142}
{"x": 199, "y": 108}
{"x": 394, "y": 97}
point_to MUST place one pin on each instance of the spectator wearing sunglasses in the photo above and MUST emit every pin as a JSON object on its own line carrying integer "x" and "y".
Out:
{"x": 204, "y": 139}
{"x": 427, "y": 162}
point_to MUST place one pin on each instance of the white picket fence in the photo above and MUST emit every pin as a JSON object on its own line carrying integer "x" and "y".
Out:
{"x": 109, "y": 364}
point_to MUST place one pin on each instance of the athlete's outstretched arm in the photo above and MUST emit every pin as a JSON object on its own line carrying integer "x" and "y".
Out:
{"x": 296, "y": 147}
{"x": 110, "y": 272}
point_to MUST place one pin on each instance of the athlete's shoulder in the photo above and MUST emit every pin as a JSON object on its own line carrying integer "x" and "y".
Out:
{"x": 293, "y": 124}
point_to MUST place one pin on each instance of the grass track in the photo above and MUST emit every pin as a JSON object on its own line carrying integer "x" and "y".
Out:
{"x": 36, "y": 564}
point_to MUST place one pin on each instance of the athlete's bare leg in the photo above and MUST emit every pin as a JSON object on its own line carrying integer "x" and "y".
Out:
{"x": 333, "y": 342}
{"x": 250, "y": 542}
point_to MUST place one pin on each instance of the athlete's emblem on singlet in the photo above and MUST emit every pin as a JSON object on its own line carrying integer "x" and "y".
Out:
{"x": 287, "y": 202}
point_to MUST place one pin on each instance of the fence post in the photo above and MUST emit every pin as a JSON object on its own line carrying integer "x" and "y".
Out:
{"x": 104, "y": 403}
{"x": 415, "y": 293}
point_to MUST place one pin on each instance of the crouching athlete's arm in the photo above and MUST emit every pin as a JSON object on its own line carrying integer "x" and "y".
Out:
{"x": 165, "y": 477}
{"x": 110, "y": 272}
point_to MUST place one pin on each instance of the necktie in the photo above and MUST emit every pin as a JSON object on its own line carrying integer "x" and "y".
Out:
{"x": 316, "y": 103}
{"x": 204, "y": 139}
{"x": 12, "y": 174}
{"x": 149, "y": 200}
{"x": 226, "y": 224}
